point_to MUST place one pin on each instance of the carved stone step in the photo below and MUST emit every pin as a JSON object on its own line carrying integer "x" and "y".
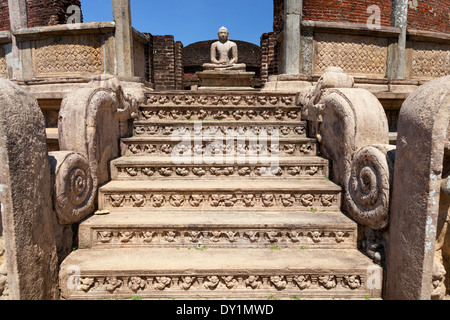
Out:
{"x": 179, "y": 273}
{"x": 219, "y": 230}
{"x": 219, "y": 113}
{"x": 148, "y": 167}
{"x": 215, "y": 98}
{"x": 226, "y": 128}
{"x": 204, "y": 196}
{"x": 185, "y": 146}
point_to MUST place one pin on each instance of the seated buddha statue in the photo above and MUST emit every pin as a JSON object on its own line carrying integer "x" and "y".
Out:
{"x": 224, "y": 54}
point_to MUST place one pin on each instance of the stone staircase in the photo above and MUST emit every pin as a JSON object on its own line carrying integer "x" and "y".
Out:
{"x": 262, "y": 222}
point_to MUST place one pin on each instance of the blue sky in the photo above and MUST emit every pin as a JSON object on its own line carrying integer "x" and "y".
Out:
{"x": 192, "y": 20}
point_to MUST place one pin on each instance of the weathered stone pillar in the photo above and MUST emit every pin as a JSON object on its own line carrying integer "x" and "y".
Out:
{"x": 397, "y": 65}
{"x": 26, "y": 199}
{"x": 18, "y": 19}
{"x": 292, "y": 34}
{"x": 419, "y": 204}
{"x": 123, "y": 38}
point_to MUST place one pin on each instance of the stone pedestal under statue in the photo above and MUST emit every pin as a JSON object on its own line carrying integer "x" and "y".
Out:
{"x": 224, "y": 72}
{"x": 225, "y": 80}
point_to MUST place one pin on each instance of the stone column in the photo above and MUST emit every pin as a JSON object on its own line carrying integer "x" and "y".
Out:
{"x": 291, "y": 44}
{"x": 18, "y": 19}
{"x": 26, "y": 198}
{"x": 419, "y": 201}
{"x": 397, "y": 69}
{"x": 123, "y": 38}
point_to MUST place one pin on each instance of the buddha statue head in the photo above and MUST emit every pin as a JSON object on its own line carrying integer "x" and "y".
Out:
{"x": 223, "y": 34}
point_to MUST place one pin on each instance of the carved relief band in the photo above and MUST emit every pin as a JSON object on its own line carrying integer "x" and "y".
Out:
{"x": 217, "y": 148}
{"x": 361, "y": 56}
{"x": 219, "y": 237}
{"x": 294, "y": 129}
{"x": 429, "y": 60}
{"x": 143, "y": 172}
{"x": 68, "y": 55}
{"x": 222, "y": 113}
{"x": 217, "y": 99}
{"x": 209, "y": 285}
{"x": 146, "y": 199}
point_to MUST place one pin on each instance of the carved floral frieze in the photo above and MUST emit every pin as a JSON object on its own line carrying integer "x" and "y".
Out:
{"x": 208, "y": 113}
{"x": 155, "y": 129}
{"x": 173, "y": 171}
{"x": 264, "y": 200}
{"x": 430, "y": 60}
{"x": 235, "y": 99}
{"x": 68, "y": 54}
{"x": 219, "y": 148}
{"x": 251, "y": 283}
{"x": 355, "y": 54}
{"x": 221, "y": 237}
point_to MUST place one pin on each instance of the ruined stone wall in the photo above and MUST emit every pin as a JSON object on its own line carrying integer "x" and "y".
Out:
{"x": 4, "y": 15}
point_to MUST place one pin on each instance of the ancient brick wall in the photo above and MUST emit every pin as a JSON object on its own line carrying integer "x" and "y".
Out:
{"x": 167, "y": 63}
{"x": 4, "y": 15}
{"x": 163, "y": 62}
{"x": 269, "y": 59}
{"x": 179, "y": 67}
{"x": 49, "y": 12}
{"x": 429, "y": 15}
{"x": 278, "y": 15}
{"x": 40, "y": 12}
{"x": 354, "y": 11}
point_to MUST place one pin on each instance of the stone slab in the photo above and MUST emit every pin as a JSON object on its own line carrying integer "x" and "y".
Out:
{"x": 219, "y": 274}
{"x": 219, "y": 230}
{"x": 242, "y": 146}
{"x": 224, "y": 113}
{"x": 419, "y": 197}
{"x": 225, "y": 79}
{"x": 224, "y": 88}
{"x": 147, "y": 167}
{"x": 222, "y": 185}
{"x": 219, "y": 194}
{"x": 180, "y": 127}
{"x": 286, "y": 86}
{"x": 27, "y": 217}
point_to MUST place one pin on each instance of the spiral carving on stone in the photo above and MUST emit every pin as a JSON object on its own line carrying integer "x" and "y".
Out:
{"x": 368, "y": 190}
{"x": 74, "y": 186}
